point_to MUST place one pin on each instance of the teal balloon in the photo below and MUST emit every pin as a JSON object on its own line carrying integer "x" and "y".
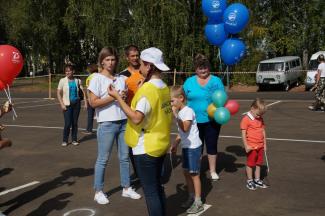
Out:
{"x": 219, "y": 98}
{"x": 221, "y": 115}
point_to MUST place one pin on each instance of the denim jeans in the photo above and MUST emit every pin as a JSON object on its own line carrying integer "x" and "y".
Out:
{"x": 107, "y": 133}
{"x": 71, "y": 116}
{"x": 90, "y": 119}
{"x": 149, "y": 171}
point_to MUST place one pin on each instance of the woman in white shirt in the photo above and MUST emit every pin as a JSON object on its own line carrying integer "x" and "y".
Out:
{"x": 111, "y": 124}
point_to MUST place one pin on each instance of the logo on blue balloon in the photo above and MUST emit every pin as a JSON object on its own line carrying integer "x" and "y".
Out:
{"x": 215, "y": 4}
{"x": 232, "y": 17}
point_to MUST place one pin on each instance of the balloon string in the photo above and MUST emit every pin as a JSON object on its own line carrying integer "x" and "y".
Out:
{"x": 14, "y": 116}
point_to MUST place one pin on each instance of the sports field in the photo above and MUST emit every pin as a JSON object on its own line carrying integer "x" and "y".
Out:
{"x": 40, "y": 177}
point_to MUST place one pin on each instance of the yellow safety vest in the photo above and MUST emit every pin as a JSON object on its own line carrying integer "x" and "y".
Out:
{"x": 158, "y": 124}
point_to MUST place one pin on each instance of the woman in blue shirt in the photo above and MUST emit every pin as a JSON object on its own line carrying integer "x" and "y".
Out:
{"x": 198, "y": 90}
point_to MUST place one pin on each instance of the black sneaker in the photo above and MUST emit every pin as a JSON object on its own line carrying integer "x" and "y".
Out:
{"x": 259, "y": 183}
{"x": 251, "y": 185}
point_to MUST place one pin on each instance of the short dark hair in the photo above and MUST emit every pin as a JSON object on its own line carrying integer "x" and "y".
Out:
{"x": 68, "y": 66}
{"x": 130, "y": 48}
{"x": 200, "y": 61}
{"x": 321, "y": 58}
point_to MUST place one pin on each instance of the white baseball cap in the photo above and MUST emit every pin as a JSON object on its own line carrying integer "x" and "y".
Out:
{"x": 154, "y": 55}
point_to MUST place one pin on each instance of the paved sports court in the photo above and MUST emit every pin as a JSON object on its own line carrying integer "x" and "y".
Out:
{"x": 39, "y": 177}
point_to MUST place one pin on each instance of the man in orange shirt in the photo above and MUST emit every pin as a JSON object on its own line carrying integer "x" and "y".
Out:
{"x": 133, "y": 77}
{"x": 133, "y": 80}
{"x": 254, "y": 139}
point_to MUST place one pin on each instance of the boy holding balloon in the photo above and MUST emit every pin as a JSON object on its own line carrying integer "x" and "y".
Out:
{"x": 189, "y": 138}
{"x": 254, "y": 139}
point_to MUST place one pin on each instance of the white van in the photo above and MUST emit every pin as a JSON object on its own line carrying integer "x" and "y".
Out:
{"x": 312, "y": 70}
{"x": 283, "y": 71}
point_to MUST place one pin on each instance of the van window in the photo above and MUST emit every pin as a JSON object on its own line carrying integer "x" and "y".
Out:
{"x": 297, "y": 62}
{"x": 271, "y": 66}
{"x": 313, "y": 64}
{"x": 293, "y": 64}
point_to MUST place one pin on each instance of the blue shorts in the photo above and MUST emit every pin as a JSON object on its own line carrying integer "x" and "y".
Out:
{"x": 192, "y": 159}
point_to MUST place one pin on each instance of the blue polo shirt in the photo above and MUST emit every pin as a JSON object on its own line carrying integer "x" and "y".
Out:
{"x": 199, "y": 97}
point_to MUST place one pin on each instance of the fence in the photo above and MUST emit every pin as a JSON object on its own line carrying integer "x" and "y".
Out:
{"x": 49, "y": 82}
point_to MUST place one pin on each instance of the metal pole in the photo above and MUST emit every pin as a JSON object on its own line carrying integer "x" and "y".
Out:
{"x": 174, "y": 82}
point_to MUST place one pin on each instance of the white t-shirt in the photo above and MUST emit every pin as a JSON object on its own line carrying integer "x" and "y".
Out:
{"x": 143, "y": 106}
{"x": 189, "y": 139}
{"x": 98, "y": 86}
{"x": 321, "y": 67}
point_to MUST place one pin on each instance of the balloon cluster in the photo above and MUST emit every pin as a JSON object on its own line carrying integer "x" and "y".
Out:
{"x": 221, "y": 108}
{"x": 11, "y": 63}
{"x": 222, "y": 22}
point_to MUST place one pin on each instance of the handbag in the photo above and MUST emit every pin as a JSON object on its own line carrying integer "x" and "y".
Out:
{"x": 80, "y": 92}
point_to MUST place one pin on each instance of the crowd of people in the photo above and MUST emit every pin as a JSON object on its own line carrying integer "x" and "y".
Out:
{"x": 134, "y": 109}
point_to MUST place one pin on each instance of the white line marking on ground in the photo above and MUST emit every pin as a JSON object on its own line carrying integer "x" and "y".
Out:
{"x": 277, "y": 139}
{"x": 30, "y": 102}
{"x": 268, "y": 105}
{"x": 19, "y": 187}
{"x": 205, "y": 206}
{"x": 37, "y": 106}
{"x": 234, "y": 137}
{"x": 84, "y": 210}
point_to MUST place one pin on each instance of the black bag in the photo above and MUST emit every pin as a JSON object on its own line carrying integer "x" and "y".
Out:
{"x": 80, "y": 92}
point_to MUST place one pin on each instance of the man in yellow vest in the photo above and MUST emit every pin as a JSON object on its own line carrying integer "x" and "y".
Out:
{"x": 148, "y": 127}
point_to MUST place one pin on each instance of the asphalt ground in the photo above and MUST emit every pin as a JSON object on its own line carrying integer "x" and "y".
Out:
{"x": 40, "y": 177}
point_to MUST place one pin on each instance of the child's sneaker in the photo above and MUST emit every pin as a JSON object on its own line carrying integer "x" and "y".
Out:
{"x": 101, "y": 198}
{"x": 196, "y": 207}
{"x": 214, "y": 176}
{"x": 251, "y": 185}
{"x": 64, "y": 144}
{"x": 130, "y": 192}
{"x": 259, "y": 183}
{"x": 187, "y": 203}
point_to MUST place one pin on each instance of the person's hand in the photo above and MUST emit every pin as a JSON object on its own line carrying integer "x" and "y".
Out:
{"x": 124, "y": 94}
{"x": 248, "y": 149}
{"x": 265, "y": 147}
{"x": 6, "y": 107}
{"x": 173, "y": 148}
{"x": 140, "y": 83}
{"x": 63, "y": 107}
{"x": 112, "y": 92}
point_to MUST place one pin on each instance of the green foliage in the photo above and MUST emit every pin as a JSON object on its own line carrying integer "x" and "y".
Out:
{"x": 52, "y": 32}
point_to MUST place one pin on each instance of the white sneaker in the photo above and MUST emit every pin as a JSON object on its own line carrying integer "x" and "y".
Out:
{"x": 64, "y": 144}
{"x": 214, "y": 176}
{"x": 75, "y": 143}
{"x": 130, "y": 192}
{"x": 101, "y": 198}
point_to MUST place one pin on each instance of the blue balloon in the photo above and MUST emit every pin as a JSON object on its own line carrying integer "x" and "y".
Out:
{"x": 221, "y": 115}
{"x": 214, "y": 9}
{"x": 232, "y": 51}
{"x": 219, "y": 98}
{"x": 235, "y": 17}
{"x": 215, "y": 33}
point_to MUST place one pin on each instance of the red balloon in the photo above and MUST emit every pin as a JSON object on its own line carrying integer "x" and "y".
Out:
{"x": 232, "y": 106}
{"x": 11, "y": 63}
{"x": 2, "y": 85}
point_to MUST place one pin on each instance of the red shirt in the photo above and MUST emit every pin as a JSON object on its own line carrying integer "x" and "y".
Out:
{"x": 254, "y": 130}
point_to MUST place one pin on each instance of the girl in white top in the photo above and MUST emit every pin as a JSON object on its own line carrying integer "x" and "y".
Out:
{"x": 111, "y": 124}
{"x": 191, "y": 143}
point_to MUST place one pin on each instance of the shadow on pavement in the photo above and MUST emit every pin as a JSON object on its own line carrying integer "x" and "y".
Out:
{"x": 167, "y": 170}
{"x": 5, "y": 171}
{"x": 87, "y": 137}
{"x": 58, "y": 202}
{"x": 227, "y": 163}
{"x": 237, "y": 150}
{"x": 323, "y": 158}
{"x": 67, "y": 177}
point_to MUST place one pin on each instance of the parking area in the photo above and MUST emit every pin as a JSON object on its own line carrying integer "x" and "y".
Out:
{"x": 40, "y": 177}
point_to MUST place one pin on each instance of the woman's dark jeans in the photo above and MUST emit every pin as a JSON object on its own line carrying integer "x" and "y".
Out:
{"x": 149, "y": 172}
{"x": 71, "y": 116}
